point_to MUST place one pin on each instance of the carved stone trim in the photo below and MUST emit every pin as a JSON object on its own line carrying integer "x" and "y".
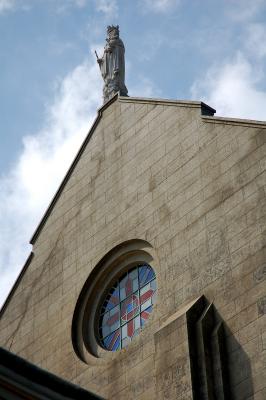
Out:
{"x": 191, "y": 356}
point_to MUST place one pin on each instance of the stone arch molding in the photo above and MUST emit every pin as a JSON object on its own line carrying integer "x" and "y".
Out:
{"x": 114, "y": 264}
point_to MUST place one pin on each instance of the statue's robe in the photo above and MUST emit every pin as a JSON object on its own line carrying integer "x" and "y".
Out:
{"x": 113, "y": 66}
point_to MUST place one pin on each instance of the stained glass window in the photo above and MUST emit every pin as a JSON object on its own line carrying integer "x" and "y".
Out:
{"x": 127, "y": 307}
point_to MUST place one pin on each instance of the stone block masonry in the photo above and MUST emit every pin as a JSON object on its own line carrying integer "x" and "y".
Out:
{"x": 193, "y": 186}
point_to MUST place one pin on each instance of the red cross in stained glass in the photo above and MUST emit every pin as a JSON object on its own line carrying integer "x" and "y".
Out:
{"x": 146, "y": 296}
{"x": 127, "y": 307}
{"x": 128, "y": 286}
{"x": 130, "y": 307}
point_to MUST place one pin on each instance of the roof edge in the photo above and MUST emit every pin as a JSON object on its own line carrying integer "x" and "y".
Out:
{"x": 71, "y": 169}
{"x": 52, "y": 203}
{"x": 205, "y": 110}
{"x": 15, "y": 285}
{"x": 234, "y": 121}
{"x": 181, "y": 103}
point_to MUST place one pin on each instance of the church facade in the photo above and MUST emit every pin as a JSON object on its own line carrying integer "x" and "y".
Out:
{"x": 147, "y": 274}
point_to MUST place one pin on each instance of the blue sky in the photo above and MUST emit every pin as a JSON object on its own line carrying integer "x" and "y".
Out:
{"x": 50, "y": 85}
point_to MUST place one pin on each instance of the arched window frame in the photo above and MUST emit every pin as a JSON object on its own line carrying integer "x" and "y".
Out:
{"x": 113, "y": 265}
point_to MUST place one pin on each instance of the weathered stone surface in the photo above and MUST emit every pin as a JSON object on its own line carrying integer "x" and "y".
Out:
{"x": 262, "y": 306}
{"x": 194, "y": 187}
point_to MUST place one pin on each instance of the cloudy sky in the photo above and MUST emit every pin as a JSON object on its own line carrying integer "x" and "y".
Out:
{"x": 50, "y": 86}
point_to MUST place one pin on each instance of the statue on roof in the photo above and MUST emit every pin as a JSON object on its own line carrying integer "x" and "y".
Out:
{"x": 112, "y": 64}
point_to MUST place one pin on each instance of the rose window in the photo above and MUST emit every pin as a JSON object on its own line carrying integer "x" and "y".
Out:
{"x": 127, "y": 307}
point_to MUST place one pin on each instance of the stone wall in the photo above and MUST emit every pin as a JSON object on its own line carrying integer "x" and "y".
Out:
{"x": 193, "y": 186}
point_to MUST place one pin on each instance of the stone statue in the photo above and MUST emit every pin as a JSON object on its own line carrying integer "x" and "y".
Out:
{"x": 112, "y": 64}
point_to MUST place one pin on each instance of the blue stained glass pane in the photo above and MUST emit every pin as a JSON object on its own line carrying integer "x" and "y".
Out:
{"x": 105, "y": 330}
{"x": 145, "y": 315}
{"x": 145, "y": 274}
{"x": 112, "y": 342}
{"x": 117, "y": 344}
{"x": 127, "y": 307}
{"x": 110, "y": 321}
{"x": 130, "y": 330}
{"x": 113, "y": 299}
{"x": 129, "y": 284}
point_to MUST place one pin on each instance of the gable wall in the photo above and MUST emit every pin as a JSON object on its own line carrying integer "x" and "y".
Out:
{"x": 195, "y": 190}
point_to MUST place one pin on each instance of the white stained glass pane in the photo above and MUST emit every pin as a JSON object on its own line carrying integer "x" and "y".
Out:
{"x": 122, "y": 293}
{"x": 147, "y": 304}
{"x": 154, "y": 298}
{"x": 145, "y": 289}
{"x": 122, "y": 286}
{"x": 137, "y": 323}
{"x": 131, "y": 329}
{"x": 145, "y": 315}
{"x": 133, "y": 275}
{"x": 153, "y": 285}
{"x": 125, "y": 342}
{"x": 150, "y": 286}
{"x": 124, "y": 331}
{"x": 114, "y": 311}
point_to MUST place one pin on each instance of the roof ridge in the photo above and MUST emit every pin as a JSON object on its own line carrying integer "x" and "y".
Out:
{"x": 234, "y": 121}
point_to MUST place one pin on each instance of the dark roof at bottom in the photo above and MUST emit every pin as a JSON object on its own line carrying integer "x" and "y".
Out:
{"x": 20, "y": 379}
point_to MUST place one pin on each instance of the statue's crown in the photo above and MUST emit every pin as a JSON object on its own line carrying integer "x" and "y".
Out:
{"x": 111, "y": 28}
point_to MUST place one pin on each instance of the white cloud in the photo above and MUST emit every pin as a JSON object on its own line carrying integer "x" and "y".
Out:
{"x": 255, "y": 40}
{"x": 27, "y": 189}
{"x": 233, "y": 89}
{"x": 6, "y": 5}
{"x": 108, "y": 7}
{"x": 150, "y": 45}
{"x": 244, "y": 10}
{"x": 158, "y": 6}
{"x": 144, "y": 87}
{"x": 61, "y": 5}
{"x": 80, "y": 3}
{"x": 140, "y": 85}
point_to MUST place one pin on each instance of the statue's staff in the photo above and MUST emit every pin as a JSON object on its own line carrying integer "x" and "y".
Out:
{"x": 99, "y": 60}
